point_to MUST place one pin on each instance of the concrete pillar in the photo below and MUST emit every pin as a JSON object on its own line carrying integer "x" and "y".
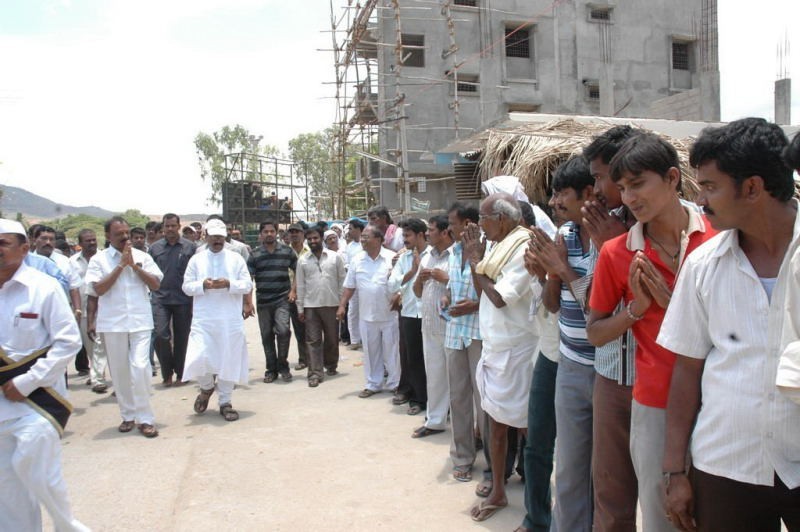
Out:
{"x": 607, "y": 90}
{"x": 783, "y": 101}
{"x": 709, "y": 96}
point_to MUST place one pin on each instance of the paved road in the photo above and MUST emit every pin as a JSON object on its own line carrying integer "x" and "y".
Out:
{"x": 299, "y": 458}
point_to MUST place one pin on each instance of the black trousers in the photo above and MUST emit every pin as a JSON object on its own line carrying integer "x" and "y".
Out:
{"x": 724, "y": 504}
{"x": 413, "y": 381}
{"x": 82, "y": 360}
{"x": 173, "y": 323}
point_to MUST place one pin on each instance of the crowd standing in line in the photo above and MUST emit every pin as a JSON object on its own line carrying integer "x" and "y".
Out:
{"x": 649, "y": 344}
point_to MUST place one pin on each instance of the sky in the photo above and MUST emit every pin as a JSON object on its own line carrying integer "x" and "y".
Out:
{"x": 100, "y": 100}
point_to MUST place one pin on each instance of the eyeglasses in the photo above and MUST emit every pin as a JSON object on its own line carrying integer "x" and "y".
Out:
{"x": 488, "y": 216}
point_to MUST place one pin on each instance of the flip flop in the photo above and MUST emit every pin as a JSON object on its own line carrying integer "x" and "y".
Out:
{"x": 462, "y": 475}
{"x": 484, "y": 488}
{"x": 485, "y": 511}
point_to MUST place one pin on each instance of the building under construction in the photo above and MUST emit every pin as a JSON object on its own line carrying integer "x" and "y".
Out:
{"x": 413, "y": 76}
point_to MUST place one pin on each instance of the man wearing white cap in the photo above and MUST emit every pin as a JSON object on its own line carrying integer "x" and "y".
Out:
{"x": 35, "y": 318}
{"x": 217, "y": 278}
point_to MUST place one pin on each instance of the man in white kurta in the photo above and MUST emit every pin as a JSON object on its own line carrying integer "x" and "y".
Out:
{"x": 34, "y": 314}
{"x": 217, "y": 278}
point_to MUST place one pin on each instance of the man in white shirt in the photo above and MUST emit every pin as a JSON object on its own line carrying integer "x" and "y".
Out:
{"x": 216, "y": 279}
{"x": 122, "y": 278}
{"x": 44, "y": 241}
{"x": 34, "y": 318}
{"x": 353, "y": 249}
{"x": 369, "y": 274}
{"x": 724, "y": 322}
{"x": 319, "y": 277}
{"x": 93, "y": 346}
{"x": 509, "y": 336}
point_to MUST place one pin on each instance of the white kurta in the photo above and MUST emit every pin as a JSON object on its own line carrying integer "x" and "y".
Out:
{"x": 217, "y": 342}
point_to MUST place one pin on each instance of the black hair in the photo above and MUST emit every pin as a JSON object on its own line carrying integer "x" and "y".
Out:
{"x": 216, "y": 217}
{"x": 745, "y": 148}
{"x": 358, "y": 224}
{"x": 645, "y": 152}
{"x": 315, "y": 229}
{"x": 415, "y": 225}
{"x": 138, "y": 231}
{"x": 63, "y": 245}
{"x": 197, "y": 225}
{"x": 792, "y": 152}
{"x": 465, "y": 211}
{"x": 439, "y": 222}
{"x": 83, "y": 232}
{"x": 151, "y": 225}
{"x": 265, "y": 223}
{"x": 381, "y": 212}
{"x": 43, "y": 229}
{"x": 574, "y": 174}
{"x": 376, "y": 232}
{"x": 111, "y": 221}
{"x": 607, "y": 144}
{"x": 527, "y": 214}
{"x": 170, "y": 216}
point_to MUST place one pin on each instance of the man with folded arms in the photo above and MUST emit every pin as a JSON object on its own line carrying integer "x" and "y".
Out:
{"x": 509, "y": 336}
{"x": 122, "y": 278}
{"x": 34, "y": 318}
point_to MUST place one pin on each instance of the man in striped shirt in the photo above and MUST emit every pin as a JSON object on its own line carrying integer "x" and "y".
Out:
{"x": 269, "y": 265}
{"x": 566, "y": 260}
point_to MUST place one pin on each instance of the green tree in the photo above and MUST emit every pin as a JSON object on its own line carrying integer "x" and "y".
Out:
{"x": 135, "y": 218}
{"x": 312, "y": 155}
{"x": 212, "y": 149}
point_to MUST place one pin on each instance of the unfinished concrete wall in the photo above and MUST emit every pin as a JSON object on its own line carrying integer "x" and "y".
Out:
{"x": 681, "y": 106}
{"x": 783, "y": 101}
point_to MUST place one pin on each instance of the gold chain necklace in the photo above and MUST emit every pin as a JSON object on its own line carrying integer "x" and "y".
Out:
{"x": 674, "y": 257}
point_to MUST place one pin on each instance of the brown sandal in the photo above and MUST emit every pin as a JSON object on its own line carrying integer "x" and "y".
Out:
{"x": 228, "y": 412}
{"x": 126, "y": 426}
{"x": 148, "y": 430}
{"x": 201, "y": 403}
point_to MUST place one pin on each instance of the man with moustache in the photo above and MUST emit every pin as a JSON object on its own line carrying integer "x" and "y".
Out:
{"x": 430, "y": 286}
{"x": 732, "y": 314}
{"x": 79, "y": 262}
{"x": 172, "y": 309}
{"x": 369, "y": 274}
{"x": 44, "y": 238}
{"x": 138, "y": 239}
{"x": 509, "y": 337}
{"x": 122, "y": 278}
{"x": 269, "y": 266}
{"x": 319, "y": 277}
{"x": 412, "y": 388}
{"x": 36, "y": 324}
{"x": 216, "y": 279}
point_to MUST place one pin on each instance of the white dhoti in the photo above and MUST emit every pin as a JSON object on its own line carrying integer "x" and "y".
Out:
{"x": 504, "y": 383}
{"x": 217, "y": 347}
{"x": 129, "y": 362}
{"x": 30, "y": 474}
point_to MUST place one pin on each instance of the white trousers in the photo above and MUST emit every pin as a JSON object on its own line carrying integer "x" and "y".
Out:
{"x": 436, "y": 374}
{"x": 30, "y": 474}
{"x": 353, "y": 323}
{"x": 98, "y": 361}
{"x": 224, "y": 388}
{"x": 381, "y": 341}
{"x": 129, "y": 362}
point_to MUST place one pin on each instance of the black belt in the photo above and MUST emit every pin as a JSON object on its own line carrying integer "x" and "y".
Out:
{"x": 46, "y": 401}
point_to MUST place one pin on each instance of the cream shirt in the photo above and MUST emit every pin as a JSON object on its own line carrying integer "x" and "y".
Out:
{"x": 746, "y": 429}
{"x": 319, "y": 281}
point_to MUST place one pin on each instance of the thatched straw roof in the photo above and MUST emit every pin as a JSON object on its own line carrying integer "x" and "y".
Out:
{"x": 533, "y": 151}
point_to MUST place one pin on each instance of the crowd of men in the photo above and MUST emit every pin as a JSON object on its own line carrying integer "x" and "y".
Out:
{"x": 644, "y": 344}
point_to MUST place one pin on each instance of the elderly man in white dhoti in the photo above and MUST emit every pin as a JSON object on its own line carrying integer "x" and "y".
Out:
{"x": 509, "y": 335}
{"x": 217, "y": 278}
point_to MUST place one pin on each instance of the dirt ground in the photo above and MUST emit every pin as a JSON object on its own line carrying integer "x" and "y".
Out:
{"x": 299, "y": 458}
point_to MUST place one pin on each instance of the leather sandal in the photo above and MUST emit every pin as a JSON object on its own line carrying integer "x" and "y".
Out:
{"x": 126, "y": 426}
{"x": 201, "y": 403}
{"x": 148, "y": 430}
{"x": 228, "y": 412}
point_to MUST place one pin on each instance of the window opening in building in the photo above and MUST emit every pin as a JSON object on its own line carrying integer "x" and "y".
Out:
{"x": 470, "y": 3}
{"x": 413, "y": 50}
{"x": 680, "y": 56}
{"x": 592, "y": 90}
{"x": 518, "y": 42}
{"x": 600, "y": 15}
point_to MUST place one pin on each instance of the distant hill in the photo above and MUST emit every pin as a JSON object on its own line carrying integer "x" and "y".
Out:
{"x": 31, "y": 205}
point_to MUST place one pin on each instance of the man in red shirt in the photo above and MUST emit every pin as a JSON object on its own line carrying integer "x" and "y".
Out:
{"x": 641, "y": 268}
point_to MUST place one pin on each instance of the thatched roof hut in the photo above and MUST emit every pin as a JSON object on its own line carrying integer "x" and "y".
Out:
{"x": 532, "y": 152}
